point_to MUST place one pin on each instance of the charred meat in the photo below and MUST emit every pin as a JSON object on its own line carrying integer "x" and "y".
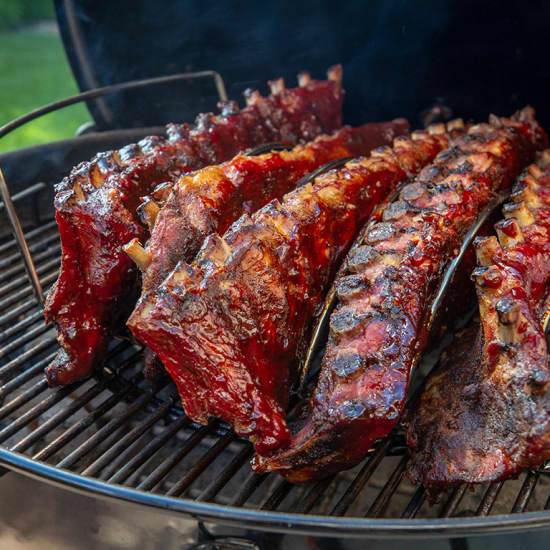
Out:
{"x": 485, "y": 415}
{"x": 379, "y": 325}
{"x": 230, "y": 327}
{"x": 96, "y": 207}
{"x": 210, "y": 200}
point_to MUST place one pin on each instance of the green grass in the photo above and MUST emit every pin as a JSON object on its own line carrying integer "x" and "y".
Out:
{"x": 34, "y": 71}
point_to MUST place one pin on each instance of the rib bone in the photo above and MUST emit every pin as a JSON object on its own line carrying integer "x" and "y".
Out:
{"x": 486, "y": 248}
{"x": 520, "y": 212}
{"x": 509, "y": 232}
{"x": 139, "y": 255}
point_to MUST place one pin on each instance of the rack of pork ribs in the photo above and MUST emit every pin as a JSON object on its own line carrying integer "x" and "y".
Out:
{"x": 98, "y": 206}
{"x": 485, "y": 414}
{"x": 245, "y": 257}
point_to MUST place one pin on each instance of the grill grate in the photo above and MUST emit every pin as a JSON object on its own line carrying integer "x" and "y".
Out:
{"x": 117, "y": 436}
{"x": 117, "y": 429}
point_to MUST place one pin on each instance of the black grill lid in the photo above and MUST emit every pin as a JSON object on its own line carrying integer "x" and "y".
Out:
{"x": 399, "y": 57}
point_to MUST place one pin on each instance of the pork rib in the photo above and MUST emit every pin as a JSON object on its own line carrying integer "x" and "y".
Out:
{"x": 486, "y": 416}
{"x": 230, "y": 327}
{"x": 210, "y": 200}
{"x": 96, "y": 207}
{"x": 379, "y": 324}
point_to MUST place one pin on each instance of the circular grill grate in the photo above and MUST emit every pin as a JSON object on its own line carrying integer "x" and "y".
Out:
{"x": 118, "y": 430}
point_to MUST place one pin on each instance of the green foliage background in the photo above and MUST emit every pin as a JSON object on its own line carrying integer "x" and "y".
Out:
{"x": 14, "y": 13}
{"x": 34, "y": 71}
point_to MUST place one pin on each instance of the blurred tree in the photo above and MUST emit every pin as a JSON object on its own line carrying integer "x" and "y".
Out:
{"x": 15, "y": 13}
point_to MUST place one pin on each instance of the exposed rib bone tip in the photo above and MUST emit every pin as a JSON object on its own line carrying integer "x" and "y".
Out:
{"x": 520, "y": 212}
{"x": 495, "y": 121}
{"x": 528, "y": 198}
{"x": 96, "y": 178}
{"x": 162, "y": 191}
{"x": 418, "y": 135}
{"x": 544, "y": 159}
{"x": 304, "y": 78}
{"x": 508, "y": 312}
{"x": 436, "y": 129}
{"x": 334, "y": 73}
{"x": 525, "y": 115}
{"x": 381, "y": 151}
{"x": 509, "y": 232}
{"x": 455, "y": 124}
{"x": 148, "y": 212}
{"x": 487, "y": 277}
{"x": 535, "y": 171}
{"x": 79, "y": 194}
{"x": 486, "y": 248}
{"x": 138, "y": 254}
{"x": 276, "y": 86}
{"x": 251, "y": 96}
{"x": 530, "y": 180}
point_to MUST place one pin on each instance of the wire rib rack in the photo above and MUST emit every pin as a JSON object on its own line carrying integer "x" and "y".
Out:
{"x": 117, "y": 436}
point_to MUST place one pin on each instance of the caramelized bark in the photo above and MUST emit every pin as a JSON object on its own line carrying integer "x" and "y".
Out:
{"x": 210, "y": 200}
{"x": 379, "y": 326}
{"x": 486, "y": 416}
{"x": 231, "y": 326}
{"x": 96, "y": 208}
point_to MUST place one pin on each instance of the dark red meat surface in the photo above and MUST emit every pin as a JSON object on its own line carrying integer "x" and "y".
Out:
{"x": 230, "y": 327}
{"x": 210, "y": 200}
{"x": 485, "y": 413}
{"x": 96, "y": 207}
{"x": 379, "y": 326}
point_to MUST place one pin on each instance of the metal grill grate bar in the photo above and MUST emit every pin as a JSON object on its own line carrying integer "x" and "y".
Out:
{"x": 228, "y": 472}
{"x": 14, "y": 383}
{"x": 21, "y": 325}
{"x": 24, "y": 397}
{"x": 147, "y": 452}
{"x": 73, "y": 431}
{"x": 525, "y": 493}
{"x": 52, "y": 254}
{"x": 21, "y": 359}
{"x": 170, "y": 462}
{"x": 414, "y": 505}
{"x": 117, "y": 454}
{"x": 272, "y": 501}
{"x": 103, "y": 432}
{"x": 30, "y": 235}
{"x": 380, "y": 502}
{"x": 489, "y": 499}
{"x": 198, "y": 468}
{"x": 361, "y": 479}
{"x": 454, "y": 500}
{"x": 9, "y": 288}
{"x": 36, "y": 411}
{"x": 58, "y": 418}
{"x": 15, "y": 297}
{"x": 31, "y": 190}
{"x": 313, "y": 495}
{"x": 22, "y": 340}
{"x": 252, "y": 482}
{"x": 17, "y": 311}
{"x": 15, "y": 258}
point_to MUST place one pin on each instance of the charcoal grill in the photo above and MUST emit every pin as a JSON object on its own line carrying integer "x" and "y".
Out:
{"x": 117, "y": 437}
